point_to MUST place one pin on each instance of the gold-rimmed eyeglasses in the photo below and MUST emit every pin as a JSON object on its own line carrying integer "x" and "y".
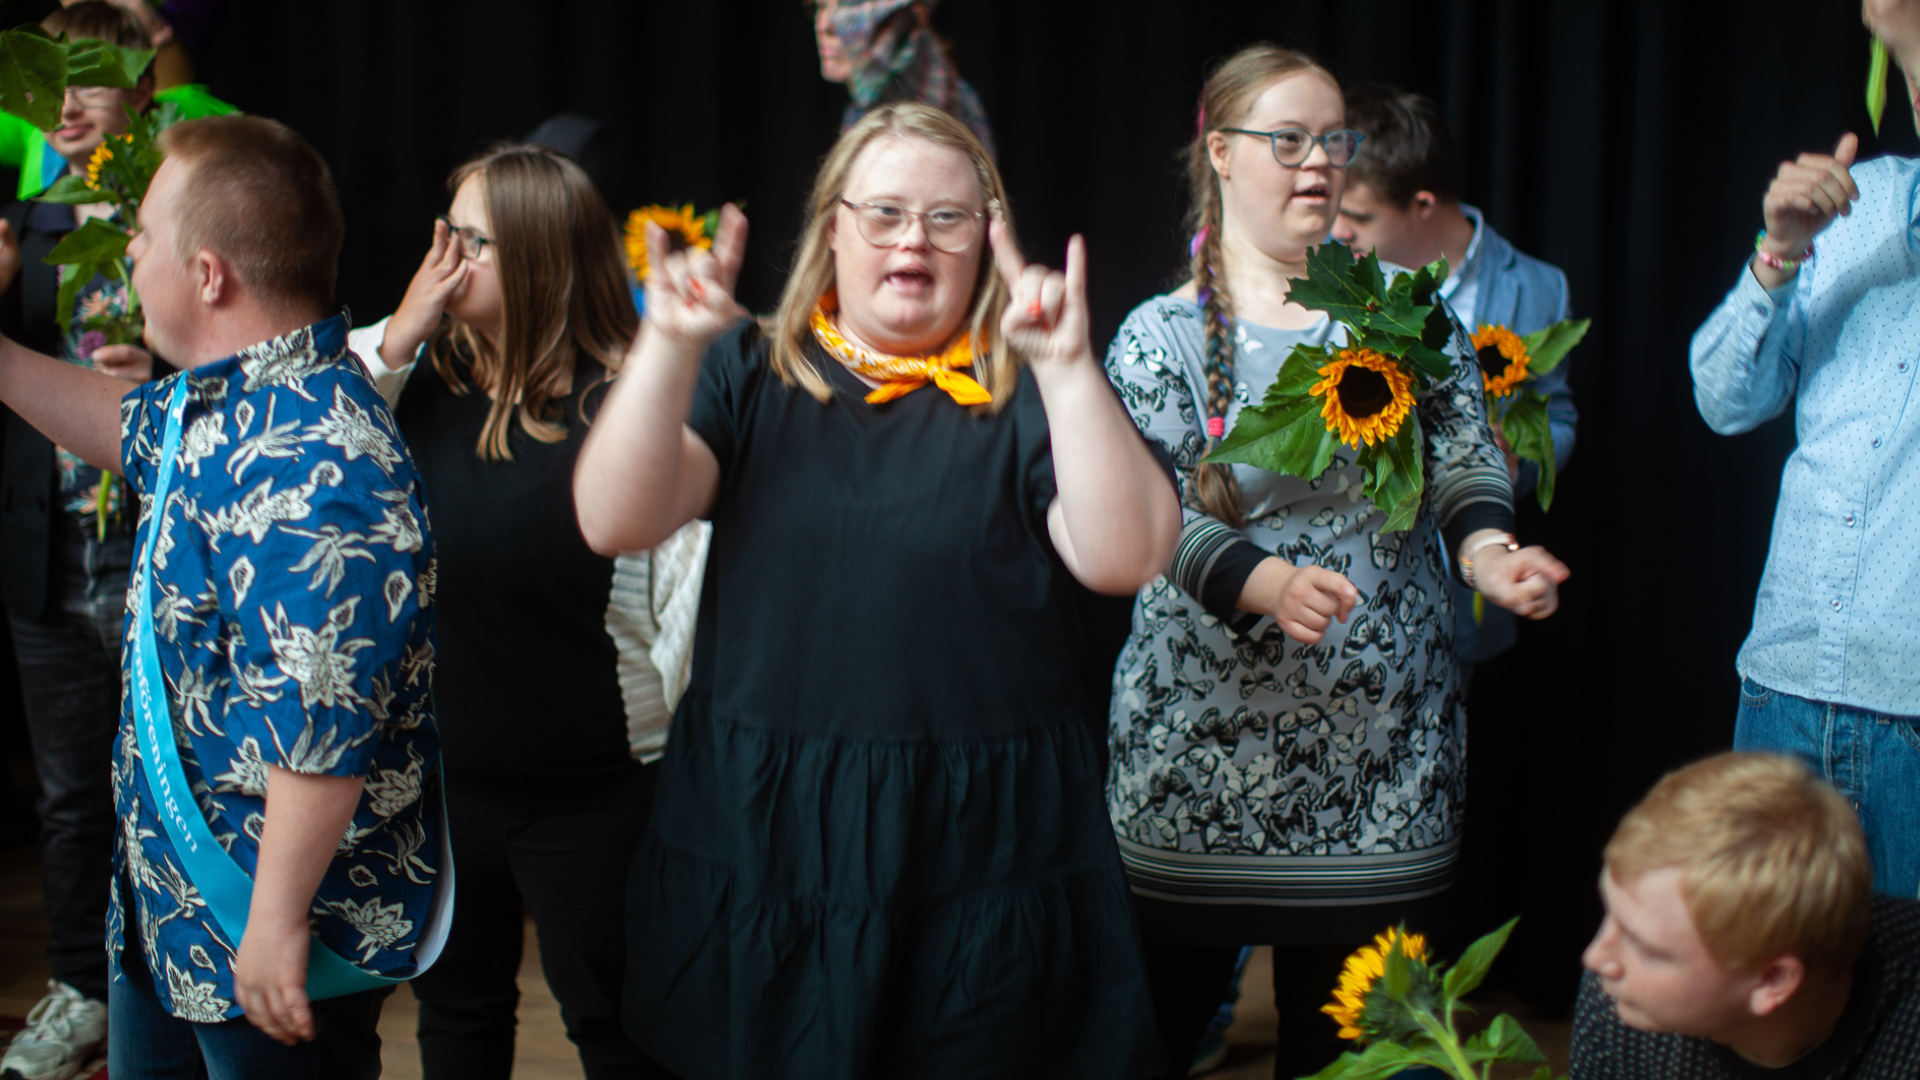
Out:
{"x": 948, "y": 228}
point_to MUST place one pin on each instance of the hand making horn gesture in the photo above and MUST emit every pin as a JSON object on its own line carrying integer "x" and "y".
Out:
{"x": 1046, "y": 317}
{"x": 690, "y": 292}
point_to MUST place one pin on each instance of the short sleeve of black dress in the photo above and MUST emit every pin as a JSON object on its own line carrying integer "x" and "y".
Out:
{"x": 880, "y": 836}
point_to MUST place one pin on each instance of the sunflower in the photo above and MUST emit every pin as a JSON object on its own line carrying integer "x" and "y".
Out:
{"x": 1363, "y": 970}
{"x": 1503, "y": 359}
{"x": 1367, "y": 395}
{"x": 684, "y": 229}
{"x": 101, "y": 155}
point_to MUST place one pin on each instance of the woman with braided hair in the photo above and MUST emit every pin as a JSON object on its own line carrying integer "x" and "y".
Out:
{"x": 1287, "y": 721}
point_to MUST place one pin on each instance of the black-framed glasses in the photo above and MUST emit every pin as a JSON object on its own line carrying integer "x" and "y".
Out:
{"x": 1293, "y": 146}
{"x": 471, "y": 243}
{"x": 949, "y": 228}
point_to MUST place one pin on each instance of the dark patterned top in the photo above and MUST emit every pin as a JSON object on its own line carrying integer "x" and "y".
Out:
{"x": 1878, "y": 1037}
{"x": 291, "y": 583}
{"x": 1249, "y": 769}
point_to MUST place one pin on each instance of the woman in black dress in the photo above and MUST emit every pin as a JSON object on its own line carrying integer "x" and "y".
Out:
{"x": 879, "y": 848}
{"x": 518, "y": 313}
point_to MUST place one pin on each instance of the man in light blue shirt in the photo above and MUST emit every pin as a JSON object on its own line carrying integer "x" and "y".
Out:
{"x": 1402, "y": 202}
{"x": 1831, "y": 669}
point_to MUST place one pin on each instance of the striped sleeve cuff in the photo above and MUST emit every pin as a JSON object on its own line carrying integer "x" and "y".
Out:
{"x": 1212, "y": 565}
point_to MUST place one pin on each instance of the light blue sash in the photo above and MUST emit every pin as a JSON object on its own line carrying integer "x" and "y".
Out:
{"x": 227, "y": 888}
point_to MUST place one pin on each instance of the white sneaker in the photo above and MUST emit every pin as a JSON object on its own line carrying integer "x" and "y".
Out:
{"x": 63, "y": 1033}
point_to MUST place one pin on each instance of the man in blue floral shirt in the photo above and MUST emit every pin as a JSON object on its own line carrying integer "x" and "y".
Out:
{"x": 291, "y": 584}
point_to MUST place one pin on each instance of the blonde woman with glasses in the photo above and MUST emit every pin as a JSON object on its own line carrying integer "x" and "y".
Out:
{"x": 879, "y": 847}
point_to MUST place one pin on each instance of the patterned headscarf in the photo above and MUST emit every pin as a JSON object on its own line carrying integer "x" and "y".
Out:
{"x": 896, "y": 57}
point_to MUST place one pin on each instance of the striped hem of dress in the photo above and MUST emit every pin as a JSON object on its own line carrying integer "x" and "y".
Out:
{"x": 1288, "y": 880}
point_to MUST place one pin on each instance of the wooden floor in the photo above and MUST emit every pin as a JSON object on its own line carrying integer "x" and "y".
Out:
{"x": 543, "y": 1052}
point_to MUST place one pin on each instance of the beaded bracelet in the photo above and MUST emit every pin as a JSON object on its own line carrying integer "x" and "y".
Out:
{"x": 1767, "y": 258}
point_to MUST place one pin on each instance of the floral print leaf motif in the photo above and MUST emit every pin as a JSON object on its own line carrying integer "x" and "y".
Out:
{"x": 274, "y": 441}
{"x": 408, "y": 839}
{"x": 194, "y": 695}
{"x": 316, "y": 659}
{"x": 199, "y": 1002}
{"x": 172, "y": 608}
{"x": 284, "y": 361}
{"x": 198, "y": 954}
{"x": 240, "y": 578}
{"x": 352, "y": 429}
{"x": 389, "y": 791}
{"x": 308, "y": 755}
{"x": 417, "y": 663}
{"x": 429, "y": 578}
{"x": 201, "y": 440}
{"x": 397, "y": 526}
{"x": 257, "y": 512}
{"x": 246, "y": 773}
{"x": 328, "y": 556}
{"x": 398, "y": 587}
{"x": 362, "y": 877}
{"x": 380, "y": 926}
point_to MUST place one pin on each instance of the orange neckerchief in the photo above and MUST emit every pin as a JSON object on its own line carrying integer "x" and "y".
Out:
{"x": 900, "y": 375}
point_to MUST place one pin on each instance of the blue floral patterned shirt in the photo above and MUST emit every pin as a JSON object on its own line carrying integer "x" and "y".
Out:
{"x": 293, "y": 581}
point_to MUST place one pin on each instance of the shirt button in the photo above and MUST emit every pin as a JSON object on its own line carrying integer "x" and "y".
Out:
{"x": 1876, "y": 444}
{"x": 1849, "y": 520}
{"x": 1903, "y": 365}
{"x": 1836, "y": 605}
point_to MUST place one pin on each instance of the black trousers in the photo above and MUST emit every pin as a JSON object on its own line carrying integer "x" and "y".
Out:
{"x": 1188, "y": 984}
{"x": 567, "y": 861}
{"x": 70, "y": 683}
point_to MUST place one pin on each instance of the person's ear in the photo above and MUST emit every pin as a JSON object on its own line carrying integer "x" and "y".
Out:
{"x": 1217, "y": 154}
{"x": 213, "y": 278}
{"x": 1423, "y": 205}
{"x": 1775, "y": 984}
{"x": 141, "y": 96}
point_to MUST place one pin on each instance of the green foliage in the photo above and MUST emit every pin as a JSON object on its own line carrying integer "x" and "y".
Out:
{"x": 1529, "y": 431}
{"x": 1400, "y": 319}
{"x": 1476, "y": 961}
{"x": 1877, "y": 83}
{"x": 99, "y": 246}
{"x": 1546, "y": 348}
{"x": 36, "y": 68}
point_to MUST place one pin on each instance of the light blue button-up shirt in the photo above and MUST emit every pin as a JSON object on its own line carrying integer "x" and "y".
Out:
{"x": 1838, "y": 616}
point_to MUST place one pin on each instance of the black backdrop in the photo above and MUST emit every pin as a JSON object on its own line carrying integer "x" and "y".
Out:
{"x": 1628, "y": 142}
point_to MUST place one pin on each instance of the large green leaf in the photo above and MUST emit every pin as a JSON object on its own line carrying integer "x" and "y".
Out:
{"x": 1284, "y": 433}
{"x": 33, "y": 76}
{"x": 72, "y": 190}
{"x": 92, "y": 62}
{"x": 1337, "y": 284}
{"x": 1378, "y": 1061}
{"x": 1395, "y": 481}
{"x": 1877, "y": 83}
{"x": 1546, "y": 348}
{"x": 1475, "y": 962}
{"x": 1529, "y": 429}
{"x": 1503, "y": 1040}
{"x": 97, "y": 241}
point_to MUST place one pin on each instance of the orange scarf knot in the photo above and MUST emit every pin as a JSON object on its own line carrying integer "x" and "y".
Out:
{"x": 900, "y": 375}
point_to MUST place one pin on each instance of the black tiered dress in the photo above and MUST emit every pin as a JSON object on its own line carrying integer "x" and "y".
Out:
{"x": 880, "y": 847}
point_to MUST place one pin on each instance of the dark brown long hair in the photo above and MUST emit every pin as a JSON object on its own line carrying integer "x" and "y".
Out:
{"x": 1224, "y": 102}
{"x": 563, "y": 291}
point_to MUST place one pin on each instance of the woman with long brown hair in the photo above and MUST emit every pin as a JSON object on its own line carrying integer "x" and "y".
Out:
{"x": 521, "y": 311}
{"x": 879, "y": 848}
{"x": 1277, "y": 777}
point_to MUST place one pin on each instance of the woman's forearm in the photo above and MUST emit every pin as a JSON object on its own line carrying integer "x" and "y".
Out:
{"x": 632, "y": 485}
{"x": 1117, "y": 508}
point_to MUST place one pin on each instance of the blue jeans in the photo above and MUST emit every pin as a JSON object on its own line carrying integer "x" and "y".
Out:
{"x": 1872, "y": 758}
{"x": 145, "y": 1042}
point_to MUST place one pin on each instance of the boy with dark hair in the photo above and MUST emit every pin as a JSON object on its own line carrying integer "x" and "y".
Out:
{"x": 1402, "y": 202}
{"x": 1743, "y": 940}
{"x": 277, "y": 747}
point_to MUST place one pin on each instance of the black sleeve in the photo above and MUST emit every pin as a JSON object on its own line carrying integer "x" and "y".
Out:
{"x": 1212, "y": 565}
{"x": 715, "y": 412}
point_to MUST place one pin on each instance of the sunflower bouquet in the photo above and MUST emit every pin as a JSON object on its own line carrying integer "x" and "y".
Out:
{"x": 684, "y": 229}
{"x": 1510, "y": 366}
{"x": 1400, "y": 1006}
{"x": 1360, "y": 395}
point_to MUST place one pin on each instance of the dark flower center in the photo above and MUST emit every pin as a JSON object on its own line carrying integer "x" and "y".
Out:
{"x": 1364, "y": 392}
{"x": 1492, "y": 361}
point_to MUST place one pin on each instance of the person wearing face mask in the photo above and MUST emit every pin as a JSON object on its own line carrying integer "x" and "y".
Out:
{"x": 1742, "y": 938}
{"x": 1287, "y": 718}
{"x": 878, "y": 847}
{"x": 1822, "y": 320}
{"x": 521, "y": 313}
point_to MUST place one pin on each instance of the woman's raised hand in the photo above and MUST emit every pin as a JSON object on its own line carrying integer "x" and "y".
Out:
{"x": 1807, "y": 194}
{"x": 690, "y": 293}
{"x": 1304, "y": 600}
{"x": 441, "y": 273}
{"x": 1046, "y": 318}
{"x": 1525, "y": 582}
